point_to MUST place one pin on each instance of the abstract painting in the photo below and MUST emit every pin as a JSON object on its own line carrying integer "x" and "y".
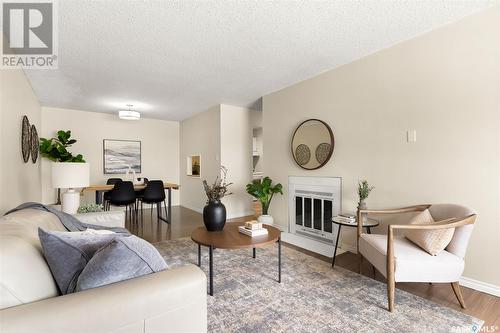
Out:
{"x": 120, "y": 154}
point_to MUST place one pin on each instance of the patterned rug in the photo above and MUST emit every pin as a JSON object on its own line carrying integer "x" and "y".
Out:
{"x": 312, "y": 297}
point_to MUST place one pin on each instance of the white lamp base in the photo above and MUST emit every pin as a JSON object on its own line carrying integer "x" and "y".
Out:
{"x": 70, "y": 201}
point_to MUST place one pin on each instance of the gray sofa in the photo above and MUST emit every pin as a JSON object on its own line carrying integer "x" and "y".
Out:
{"x": 170, "y": 301}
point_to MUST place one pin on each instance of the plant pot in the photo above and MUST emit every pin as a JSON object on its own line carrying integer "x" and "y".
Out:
{"x": 266, "y": 219}
{"x": 214, "y": 216}
{"x": 361, "y": 205}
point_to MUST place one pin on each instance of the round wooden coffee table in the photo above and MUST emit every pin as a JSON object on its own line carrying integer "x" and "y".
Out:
{"x": 231, "y": 238}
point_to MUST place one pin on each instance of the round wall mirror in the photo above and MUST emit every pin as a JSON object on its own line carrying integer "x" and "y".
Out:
{"x": 312, "y": 144}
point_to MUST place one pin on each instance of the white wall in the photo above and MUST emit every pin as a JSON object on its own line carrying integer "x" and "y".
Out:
{"x": 20, "y": 182}
{"x": 445, "y": 85}
{"x": 236, "y": 156}
{"x": 159, "y": 145}
{"x": 199, "y": 135}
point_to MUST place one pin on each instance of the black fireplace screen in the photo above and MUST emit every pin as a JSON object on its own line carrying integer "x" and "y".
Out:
{"x": 314, "y": 213}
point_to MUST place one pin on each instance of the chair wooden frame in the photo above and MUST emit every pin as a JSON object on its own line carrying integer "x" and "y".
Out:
{"x": 443, "y": 224}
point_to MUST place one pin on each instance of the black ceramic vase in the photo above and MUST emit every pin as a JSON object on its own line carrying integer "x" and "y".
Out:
{"x": 214, "y": 216}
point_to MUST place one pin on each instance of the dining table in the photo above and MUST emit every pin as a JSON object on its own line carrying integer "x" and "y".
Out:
{"x": 101, "y": 188}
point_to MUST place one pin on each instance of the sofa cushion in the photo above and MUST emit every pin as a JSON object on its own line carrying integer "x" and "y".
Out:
{"x": 122, "y": 259}
{"x": 412, "y": 264}
{"x": 432, "y": 241}
{"x": 67, "y": 253}
{"x": 24, "y": 274}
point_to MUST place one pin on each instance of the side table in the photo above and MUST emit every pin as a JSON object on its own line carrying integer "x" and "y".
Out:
{"x": 369, "y": 223}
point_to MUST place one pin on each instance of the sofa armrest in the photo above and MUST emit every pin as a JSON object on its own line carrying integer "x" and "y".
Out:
{"x": 169, "y": 301}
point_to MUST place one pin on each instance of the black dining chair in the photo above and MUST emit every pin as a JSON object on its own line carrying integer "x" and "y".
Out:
{"x": 139, "y": 193}
{"x": 154, "y": 194}
{"x": 123, "y": 194}
{"x": 105, "y": 201}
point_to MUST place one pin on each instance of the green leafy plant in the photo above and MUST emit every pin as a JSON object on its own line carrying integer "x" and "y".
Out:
{"x": 90, "y": 208}
{"x": 264, "y": 192}
{"x": 216, "y": 191}
{"x": 364, "y": 189}
{"x": 56, "y": 149}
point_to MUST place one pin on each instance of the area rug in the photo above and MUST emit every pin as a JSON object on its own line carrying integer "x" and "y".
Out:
{"x": 312, "y": 297}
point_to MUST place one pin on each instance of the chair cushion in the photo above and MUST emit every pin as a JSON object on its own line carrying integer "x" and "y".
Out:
{"x": 432, "y": 241}
{"x": 412, "y": 264}
{"x": 67, "y": 253}
{"x": 122, "y": 259}
{"x": 24, "y": 274}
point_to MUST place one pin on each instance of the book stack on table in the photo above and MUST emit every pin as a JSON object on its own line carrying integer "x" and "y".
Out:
{"x": 252, "y": 229}
{"x": 345, "y": 218}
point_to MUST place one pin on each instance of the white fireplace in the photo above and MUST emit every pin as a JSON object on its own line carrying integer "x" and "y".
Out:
{"x": 313, "y": 201}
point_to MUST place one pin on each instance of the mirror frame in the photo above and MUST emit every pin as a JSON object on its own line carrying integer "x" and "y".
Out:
{"x": 332, "y": 139}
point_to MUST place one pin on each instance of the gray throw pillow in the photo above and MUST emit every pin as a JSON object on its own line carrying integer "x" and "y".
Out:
{"x": 122, "y": 259}
{"x": 67, "y": 254}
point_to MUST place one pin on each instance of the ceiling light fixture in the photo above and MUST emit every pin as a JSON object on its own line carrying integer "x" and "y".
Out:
{"x": 129, "y": 114}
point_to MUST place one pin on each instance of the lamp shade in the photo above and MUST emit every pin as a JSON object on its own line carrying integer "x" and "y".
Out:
{"x": 70, "y": 175}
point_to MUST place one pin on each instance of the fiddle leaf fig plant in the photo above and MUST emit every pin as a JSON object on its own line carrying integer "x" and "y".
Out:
{"x": 56, "y": 149}
{"x": 264, "y": 192}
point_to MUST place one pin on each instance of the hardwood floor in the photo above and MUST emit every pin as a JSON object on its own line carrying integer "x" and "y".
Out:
{"x": 184, "y": 221}
{"x": 480, "y": 305}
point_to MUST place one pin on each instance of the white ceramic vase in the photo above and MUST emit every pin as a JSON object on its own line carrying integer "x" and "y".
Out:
{"x": 266, "y": 219}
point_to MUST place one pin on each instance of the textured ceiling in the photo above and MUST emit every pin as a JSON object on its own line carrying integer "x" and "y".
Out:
{"x": 174, "y": 59}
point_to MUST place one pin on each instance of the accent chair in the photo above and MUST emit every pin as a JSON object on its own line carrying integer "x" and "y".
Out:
{"x": 400, "y": 260}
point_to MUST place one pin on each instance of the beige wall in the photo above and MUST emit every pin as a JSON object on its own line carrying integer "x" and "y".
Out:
{"x": 222, "y": 135}
{"x": 236, "y": 155}
{"x": 20, "y": 182}
{"x": 445, "y": 85}
{"x": 199, "y": 135}
{"x": 159, "y": 145}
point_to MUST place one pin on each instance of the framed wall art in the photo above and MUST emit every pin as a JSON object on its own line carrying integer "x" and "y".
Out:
{"x": 119, "y": 155}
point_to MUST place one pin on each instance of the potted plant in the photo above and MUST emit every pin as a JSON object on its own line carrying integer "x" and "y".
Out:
{"x": 214, "y": 212}
{"x": 363, "y": 191}
{"x": 56, "y": 149}
{"x": 264, "y": 191}
{"x": 68, "y": 171}
{"x": 90, "y": 208}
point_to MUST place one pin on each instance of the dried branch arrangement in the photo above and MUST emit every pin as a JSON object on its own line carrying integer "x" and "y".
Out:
{"x": 216, "y": 191}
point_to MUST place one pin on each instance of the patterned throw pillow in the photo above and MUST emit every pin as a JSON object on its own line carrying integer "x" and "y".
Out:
{"x": 432, "y": 241}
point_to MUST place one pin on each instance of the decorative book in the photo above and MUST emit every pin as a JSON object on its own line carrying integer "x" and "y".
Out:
{"x": 252, "y": 233}
{"x": 253, "y": 225}
{"x": 343, "y": 219}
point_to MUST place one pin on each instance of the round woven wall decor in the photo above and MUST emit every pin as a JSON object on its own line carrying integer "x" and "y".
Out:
{"x": 34, "y": 144}
{"x": 302, "y": 154}
{"x": 25, "y": 139}
{"x": 322, "y": 152}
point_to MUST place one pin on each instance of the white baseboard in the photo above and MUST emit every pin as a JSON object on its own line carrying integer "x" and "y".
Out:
{"x": 348, "y": 248}
{"x": 308, "y": 244}
{"x": 480, "y": 286}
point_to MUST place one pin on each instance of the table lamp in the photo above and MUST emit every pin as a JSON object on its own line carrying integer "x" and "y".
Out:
{"x": 70, "y": 175}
